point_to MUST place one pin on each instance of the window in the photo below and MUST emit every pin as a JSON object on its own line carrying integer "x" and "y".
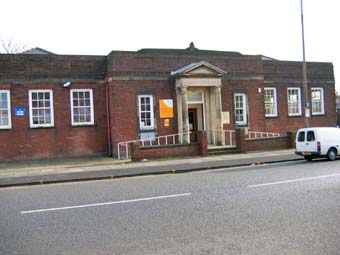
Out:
{"x": 5, "y": 110}
{"x": 146, "y": 114}
{"x": 240, "y": 107}
{"x": 301, "y": 136}
{"x": 317, "y": 101}
{"x": 82, "y": 112}
{"x": 294, "y": 101}
{"x": 270, "y": 103}
{"x": 41, "y": 108}
{"x": 310, "y": 136}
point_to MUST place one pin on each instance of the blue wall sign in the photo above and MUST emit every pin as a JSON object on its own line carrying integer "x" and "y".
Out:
{"x": 19, "y": 111}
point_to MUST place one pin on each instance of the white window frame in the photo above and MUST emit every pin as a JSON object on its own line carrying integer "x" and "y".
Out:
{"x": 8, "y": 107}
{"x": 244, "y": 108}
{"x": 274, "y": 104}
{"x": 30, "y": 92}
{"x": 85, "y": 123}
{"x": 142, "y": 125}
{"x": 299, "y": 113}
{"x": 322, "y": 102}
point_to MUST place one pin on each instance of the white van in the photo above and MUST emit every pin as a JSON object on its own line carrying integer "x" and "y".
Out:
{"x": 316, "y": 142}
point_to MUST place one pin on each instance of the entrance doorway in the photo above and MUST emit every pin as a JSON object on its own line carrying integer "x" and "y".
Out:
{"x": 192, "y": 112}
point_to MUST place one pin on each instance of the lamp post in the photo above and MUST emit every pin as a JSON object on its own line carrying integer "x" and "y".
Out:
{"x": 304, "y": 72}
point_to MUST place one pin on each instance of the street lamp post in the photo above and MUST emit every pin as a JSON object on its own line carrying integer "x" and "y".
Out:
{"x": 304, "y": 72}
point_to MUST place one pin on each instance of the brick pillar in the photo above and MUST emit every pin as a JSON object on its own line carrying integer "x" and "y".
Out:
{"x": 203, "y": 143}
{"x": 135, "y": 152}
{"x": 291, "y": 139}
{"x": 241, "y": 139}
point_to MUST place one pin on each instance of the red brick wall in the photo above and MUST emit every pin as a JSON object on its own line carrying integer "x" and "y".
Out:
{"x": 255, "y": 102}
{"x": 37, "y": 66}
{"x": 24, "y": 143}
{"x": 139, "y": 153}
{"x": 280, "y": 74}
{"x": 284, "y": 74}
{"x": 284, "y": 123}
{"x": 166, "y": 152}
{"x": 123, "y": 107}
{"x": 127, "y": 63}
{"x": 292, "y": 69}
{"x": 267, "y": 144}
{"x": 276, "y": 143}
{"x": 136, "y": 73}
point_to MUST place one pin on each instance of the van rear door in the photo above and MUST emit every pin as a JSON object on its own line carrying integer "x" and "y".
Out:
{"x": 300, "y": 141}
{"x": 311, "y": 143}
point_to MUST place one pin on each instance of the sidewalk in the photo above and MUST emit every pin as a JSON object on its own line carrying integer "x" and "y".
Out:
{"x": 97, "y": 168}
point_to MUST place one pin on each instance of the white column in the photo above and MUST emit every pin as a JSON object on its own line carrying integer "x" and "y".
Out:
{"x": 219, "y": 125}
{"x": 185, "y": 116}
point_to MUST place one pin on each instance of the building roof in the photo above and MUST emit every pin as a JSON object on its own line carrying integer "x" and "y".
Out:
{"x": 37, "y": 50}
{"x": 188, "y": 68}
{"x": 266, "y": 58}
{"x": 192, "y": 50}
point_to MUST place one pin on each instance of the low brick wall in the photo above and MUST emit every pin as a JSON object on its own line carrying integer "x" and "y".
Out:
{"x": 139, "y": 153}
{"x": 273, "y": 143}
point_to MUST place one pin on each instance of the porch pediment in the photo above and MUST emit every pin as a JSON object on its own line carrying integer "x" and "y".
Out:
{"x": 201, "y": 68}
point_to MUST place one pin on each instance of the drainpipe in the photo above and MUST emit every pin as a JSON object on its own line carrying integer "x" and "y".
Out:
{"x": 108, "y": 122}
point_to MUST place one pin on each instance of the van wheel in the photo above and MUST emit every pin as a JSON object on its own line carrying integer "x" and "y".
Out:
{"x": 309, "y": 157}
{"x": 331, "y": 154}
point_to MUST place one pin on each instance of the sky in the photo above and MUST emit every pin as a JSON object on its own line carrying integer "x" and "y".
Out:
{"x": 267, "y": 27}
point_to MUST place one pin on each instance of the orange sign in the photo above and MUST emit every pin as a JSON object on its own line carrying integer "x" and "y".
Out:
{"x": 166, "y": 108}
{"x": 166, "y": 122}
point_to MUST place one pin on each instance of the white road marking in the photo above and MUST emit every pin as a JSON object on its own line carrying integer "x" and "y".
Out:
{"x": 295, "y": 180}
{"x": 107, "y": 203}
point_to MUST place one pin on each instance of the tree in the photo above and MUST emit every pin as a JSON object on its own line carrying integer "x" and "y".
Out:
{"x": 11, "y": 47}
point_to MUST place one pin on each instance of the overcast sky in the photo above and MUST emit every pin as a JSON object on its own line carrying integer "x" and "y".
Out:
{"x": 267, "y": 27}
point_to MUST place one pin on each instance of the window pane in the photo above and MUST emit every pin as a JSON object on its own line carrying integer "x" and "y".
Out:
{"x": 41, "y": 111}
{"x": 310, "y": 136}
{"x": 270, "y": 102}
{"x": 301, "y": 136}
{"x": 317, "y": 101}
{"x": 4, "y": 121}
{"x": 82, "y": 101}
{"x": 3, "y": 104}
{"x": 145, "y": 112}
{"x": 294, "y": 102}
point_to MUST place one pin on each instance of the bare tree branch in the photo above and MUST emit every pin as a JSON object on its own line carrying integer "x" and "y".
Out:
{"x": 11, "y": 47}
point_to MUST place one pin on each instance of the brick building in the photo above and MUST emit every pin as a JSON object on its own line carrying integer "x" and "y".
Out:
{"x": 67, "y": 105}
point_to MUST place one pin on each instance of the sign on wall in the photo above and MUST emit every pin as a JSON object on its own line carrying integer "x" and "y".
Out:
{"x": 166, "y": 108}
{"x": 225, "y": 118}
{"x": 166, "y": 123}
{"x": 19, "y": 111}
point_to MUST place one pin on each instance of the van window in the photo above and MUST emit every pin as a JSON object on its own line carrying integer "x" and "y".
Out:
{"x": 310, "y": 136}
{"x": 301, "y": 136}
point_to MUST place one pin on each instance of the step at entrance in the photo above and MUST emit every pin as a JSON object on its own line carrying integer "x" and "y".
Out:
{"x": 221, "y": 150}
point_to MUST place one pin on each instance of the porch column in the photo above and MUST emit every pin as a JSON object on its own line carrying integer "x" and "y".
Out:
{"x": 219, "y": 125}
{"x": 185, "y": 116}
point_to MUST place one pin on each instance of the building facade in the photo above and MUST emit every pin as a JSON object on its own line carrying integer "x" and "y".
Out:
{"x": 66, "y": 106}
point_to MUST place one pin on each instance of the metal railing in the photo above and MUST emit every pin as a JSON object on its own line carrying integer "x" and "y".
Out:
{"x": 256, "y": 135}
{"x": 123, "y": 148}
{"x": 222, "y": 137}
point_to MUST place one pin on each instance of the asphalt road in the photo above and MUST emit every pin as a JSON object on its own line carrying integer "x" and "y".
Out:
{"x": 289, "y": 208}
